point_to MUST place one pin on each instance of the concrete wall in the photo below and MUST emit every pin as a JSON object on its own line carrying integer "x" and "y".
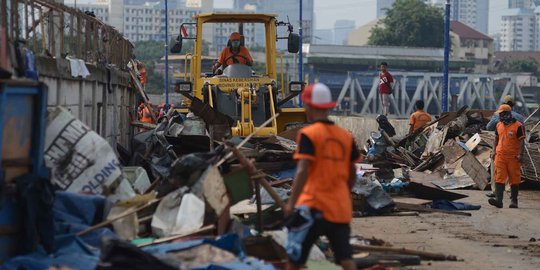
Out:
{"x": 104, "y": 106}
{"x": 361, "y": 127}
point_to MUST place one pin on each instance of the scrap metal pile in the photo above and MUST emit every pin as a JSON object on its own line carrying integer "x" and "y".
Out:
{"x": 418, "y": 170}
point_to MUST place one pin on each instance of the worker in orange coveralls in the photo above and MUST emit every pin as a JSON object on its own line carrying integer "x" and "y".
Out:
{"x": 142, "y": 74}
{"x": 508, "y": 151}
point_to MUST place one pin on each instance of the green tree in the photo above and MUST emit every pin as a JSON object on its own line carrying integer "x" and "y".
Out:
{"x": 521, "y": 65}
{"x": 410, "y": 23}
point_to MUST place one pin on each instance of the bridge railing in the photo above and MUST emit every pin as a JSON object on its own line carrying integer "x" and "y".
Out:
{"x": 55, "y": 30}
{"x": 474, "y": 90}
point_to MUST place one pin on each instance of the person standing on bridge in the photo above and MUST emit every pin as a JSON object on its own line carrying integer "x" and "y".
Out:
{"x": 386, "y": 82}
{"x": 508, "y": 153}
{"x": 326, "y": 171}
{"x": 419, "y": 118}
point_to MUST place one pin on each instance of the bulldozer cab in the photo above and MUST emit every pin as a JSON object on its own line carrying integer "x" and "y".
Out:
{"x": 249, "y": 94}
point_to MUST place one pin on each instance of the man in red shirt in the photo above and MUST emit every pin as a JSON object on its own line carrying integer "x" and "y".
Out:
{"x": 234, "y": 53}
{"x": 325, "y": 173}
{"x": 386, "y": 82}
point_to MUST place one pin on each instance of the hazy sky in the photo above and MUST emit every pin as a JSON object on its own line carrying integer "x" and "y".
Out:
{"x": 361, "y": 11}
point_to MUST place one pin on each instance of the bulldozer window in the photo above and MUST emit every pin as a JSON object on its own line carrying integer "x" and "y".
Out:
{"x": 252, "y": 52}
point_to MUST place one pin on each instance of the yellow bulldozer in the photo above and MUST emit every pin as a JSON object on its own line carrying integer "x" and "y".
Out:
{"x": 246, "y": 97}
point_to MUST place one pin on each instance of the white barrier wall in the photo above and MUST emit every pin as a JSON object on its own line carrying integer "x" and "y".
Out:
{"x": 105, "y": 102}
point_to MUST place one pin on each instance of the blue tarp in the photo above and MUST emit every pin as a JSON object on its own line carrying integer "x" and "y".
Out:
{"x": 72, "y": 213}
{"x": 453, "y": 206}
{"x": 284, "y": 174}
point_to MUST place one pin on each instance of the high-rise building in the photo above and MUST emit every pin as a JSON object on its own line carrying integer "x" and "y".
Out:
{"x": 473, "y": 13}
{"x": 518, "y": 30}
{"x": 531, "y": 4}
{"x": 382, "y": 6}
{"x": 342, "y": 28}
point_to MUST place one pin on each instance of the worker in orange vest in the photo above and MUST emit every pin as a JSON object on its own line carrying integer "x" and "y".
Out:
{"x": 325, "y": 173}
{"x": 145, "y": 115}
{"x": 508, "y": 154}
{"x": 419, "y": 118}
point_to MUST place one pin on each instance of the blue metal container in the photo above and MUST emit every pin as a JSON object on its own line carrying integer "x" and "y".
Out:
{"x": 22, "y": 133}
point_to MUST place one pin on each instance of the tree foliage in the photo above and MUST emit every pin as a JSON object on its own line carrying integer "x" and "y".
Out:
{"x": 410, "y": 23}
{"x": 520, "y": 65}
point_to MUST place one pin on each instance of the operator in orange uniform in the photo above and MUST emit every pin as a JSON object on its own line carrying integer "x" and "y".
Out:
{"x": 234, "y": 53}
{"x": 326, "y": 171}
{"x": 419, "y": 118}
{"x": 508, "y": 151}
{"x": 145, "y": 115}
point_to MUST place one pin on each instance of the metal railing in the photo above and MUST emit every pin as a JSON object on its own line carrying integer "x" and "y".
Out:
{"x": 55, "y": 30}
{"x": 474, "y": 90}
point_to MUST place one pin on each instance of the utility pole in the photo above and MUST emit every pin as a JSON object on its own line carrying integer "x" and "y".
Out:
{"x": 166, "y": 57}
{"x": 300, "y": 61}
{"x": 446, "y": 56}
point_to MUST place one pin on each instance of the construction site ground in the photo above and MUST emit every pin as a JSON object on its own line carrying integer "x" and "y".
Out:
{"x": 491, "y": 238}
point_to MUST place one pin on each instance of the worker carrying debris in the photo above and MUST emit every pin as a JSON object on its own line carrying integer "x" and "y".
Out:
{"x": 508, "y": 151}
{"x": 326, "y": 171}
{"x": 234, "y": 53}
{"x": 419, "y": 118}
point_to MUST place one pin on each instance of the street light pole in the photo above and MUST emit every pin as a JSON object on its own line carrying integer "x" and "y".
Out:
{"x": 446, "y": 56}
{"x": 166, "y": 56}
{"x": 300, "y": 61}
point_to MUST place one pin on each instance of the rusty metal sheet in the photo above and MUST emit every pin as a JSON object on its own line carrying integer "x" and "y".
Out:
{"x": 475, "y": 170}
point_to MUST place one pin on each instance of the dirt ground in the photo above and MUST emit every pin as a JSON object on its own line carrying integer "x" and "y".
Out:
{"x": 490, "y": 239}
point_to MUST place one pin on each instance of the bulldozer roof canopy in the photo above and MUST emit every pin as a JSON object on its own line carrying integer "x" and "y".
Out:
{"x": 235, "y": 17}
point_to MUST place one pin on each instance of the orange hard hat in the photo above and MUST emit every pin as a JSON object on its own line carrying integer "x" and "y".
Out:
{"x": 504, "y": 108}
{"x": 235, "y": 36}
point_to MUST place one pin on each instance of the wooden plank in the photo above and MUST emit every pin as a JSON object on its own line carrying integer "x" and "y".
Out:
{"x": 423, "y": 254}
{"x": 245, "y": 207}
{"x": 175, "y": 237}
{"x": 418, "y": 208}
{"x": 473, "y": 142}
{"x": 409, "y": 200}
{"x": 452, "y": 152}
{"x": 214, "y": 190}
{"x": 475, "y": 170}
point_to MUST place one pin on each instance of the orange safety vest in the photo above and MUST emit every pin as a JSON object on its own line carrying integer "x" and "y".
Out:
{"x": 145, "y": 116}
{"x": 327, "y": 185}
{"x": 419, "y": 119}
{"x": 509, "y": 143}
{"x": 227, "y": 57}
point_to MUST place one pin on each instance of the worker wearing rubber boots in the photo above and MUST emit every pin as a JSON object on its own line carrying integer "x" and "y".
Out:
{"x": 326, "y": 171}
{"x": 508, "y": 150}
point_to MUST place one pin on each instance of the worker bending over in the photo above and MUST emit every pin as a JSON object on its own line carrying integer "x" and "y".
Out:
{"x": 234, "y": 53}
{"x": 419, "y": 118}
{"x": 321, "y": 190}
{"x": 508, "y": 154}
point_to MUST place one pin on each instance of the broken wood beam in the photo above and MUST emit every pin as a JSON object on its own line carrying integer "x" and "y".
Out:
{"x": 174, "y": 237}
{"x": 423, "y": 254}
{"x": 413, "y": 207}
{"x": 123, "y": 215}
{"x": 253, "y": 172}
